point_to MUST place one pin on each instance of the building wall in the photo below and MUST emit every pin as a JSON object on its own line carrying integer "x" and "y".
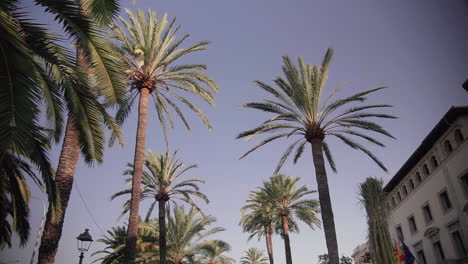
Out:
{"x": 445, "y": 176}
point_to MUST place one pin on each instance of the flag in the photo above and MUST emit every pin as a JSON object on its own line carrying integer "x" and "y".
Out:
{"x": 399, "y": 254}
{"x": 409, "y": 258}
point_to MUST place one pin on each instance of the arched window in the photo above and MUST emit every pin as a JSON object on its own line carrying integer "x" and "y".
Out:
{"x": 448, "y": 146}
{"x": 418, "y": 177}
{"x": 393, "y": 202}
{"x": 434, "y": 162}
{"x": 405, "y": 191}
{"x": 426, "y": 169}
{"x": 411, "y": 184}
{"x": 459, "y": 136}
{"x": 398, "y": 196}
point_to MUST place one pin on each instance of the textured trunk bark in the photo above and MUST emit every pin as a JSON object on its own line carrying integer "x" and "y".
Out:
{"x": 287, "y": 245}
{"x": 325, "y": 202}
{"x": 162, "y": 232}
{"x": 64, "y": 181}
{"x": 139, "y": 160}
{"x": 269, "y": 242}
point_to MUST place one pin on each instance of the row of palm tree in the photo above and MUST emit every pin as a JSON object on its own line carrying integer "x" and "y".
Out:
{"x": 38, "y": 71}
{"x": 276, "y": 207}
{"x": 39, "y": 76}
{"x": 302, "y": 110}
{"x": 188, "y": 235}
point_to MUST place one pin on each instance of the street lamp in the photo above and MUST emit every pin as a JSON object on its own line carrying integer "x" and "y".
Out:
{"x": 83, "y": 242}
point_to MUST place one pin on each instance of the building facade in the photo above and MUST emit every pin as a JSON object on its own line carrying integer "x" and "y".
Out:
{"x": 428, "y": 196}
{"x": 361, "y": 254}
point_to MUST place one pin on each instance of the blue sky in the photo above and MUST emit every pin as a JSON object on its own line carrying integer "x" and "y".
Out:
{"x": 416, "y": 48}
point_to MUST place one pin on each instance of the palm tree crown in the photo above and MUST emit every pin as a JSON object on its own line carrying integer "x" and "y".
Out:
{"x": 213, "y": 253}
{"x": 288, "y": 200}
{"x": 150, "y": 48}
{"x": 254, "y": 256}
{"x": 300, "y": 109}
{"x": 187, "y": 234}
{"x": 162, "y": 182}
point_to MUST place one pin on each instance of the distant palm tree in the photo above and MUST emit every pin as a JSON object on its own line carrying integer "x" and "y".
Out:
{"x": 114, "y": 241}
{"x": 259, "y": 219}
{"x": 373, "y": 199}
{"x": 150, "y": 50}
{"x": 301, "y": 109}
{"x": 187, "y": 233}
{"x": 254, "y": 256}
{"x": 162, "y": 182}
{"x": 213, "y": 253}
{"x": 288, "y": 202}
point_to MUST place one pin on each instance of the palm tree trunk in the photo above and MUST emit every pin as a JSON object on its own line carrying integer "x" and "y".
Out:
{"x": 325, "y": 202}
{"x": 269, "y": 242}
{"x": 139, "y": 160}
{"x": 162, "y": 232}
{"x": 287, "y": 245}
{"x": 64, "y": 181}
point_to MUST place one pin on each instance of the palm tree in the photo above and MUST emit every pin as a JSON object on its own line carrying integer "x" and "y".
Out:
{"x": 101, "y": 68}
{"x": 301, "y": 109}
{"x": 36, "y": 70}
{"x": 373, "y": 199}
{"x": 259, "y": 219}
{"x": 150, "y": 49}
{"x": 288, "y": 202}
{"x": 254, "y": 256}
{"x": 187, "y": 233}
{"x": 114, "y": 242}
{"x": 162, "y": 182}
{"x": 213, "y": 253}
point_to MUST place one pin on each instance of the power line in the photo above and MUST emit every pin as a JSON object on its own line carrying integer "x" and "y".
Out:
{"x": 87, "y": 208}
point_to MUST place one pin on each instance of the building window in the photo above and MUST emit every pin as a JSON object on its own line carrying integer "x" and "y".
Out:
{"x": 405, "y": 191}
{"x": 448, "y": 146}
{"x": 393, "y": 202}
{"x": 427, "y": 213}
{"x": 412, "y": 224}
{"x": 434, "y": 162}
{"x": 418, "y": 178}
{"x": 426, "y": 169}
{"x": 445, "y": 201}
{"x": 398, "y": 196}
{"x": 411, "y": 184}
{"x": 458, "y": 243}
{"x": 459, "y": 136}
{"x": 439, "y": 251}
{"x": 464, "y": 180}
{"x": 421, "y": 258}
{"x": 400, "y": 232}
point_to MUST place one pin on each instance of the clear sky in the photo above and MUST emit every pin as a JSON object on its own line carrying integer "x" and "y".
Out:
{"x": 417, "y": 48}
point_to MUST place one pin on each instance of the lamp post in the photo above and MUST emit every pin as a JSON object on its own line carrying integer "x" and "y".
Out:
{"x": 83, "y": 242}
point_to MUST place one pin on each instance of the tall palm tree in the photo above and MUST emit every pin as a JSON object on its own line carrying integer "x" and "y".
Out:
{"x": 114, "y": 241}
{"x": 259, "y": 219}
{"x": 150, "y": 50}
{"x": 254, "y": 256}
{"x": 373, "y": 199}
{"x": 37, "y": 72}
{"x": 162, "y": 182}
{"x": 188, "y": 233}
{"x": 289, "y": 202}
{"x": 301, "y": 109}
{"x": 99, "y": 65}
{"x": 213, "y": 253}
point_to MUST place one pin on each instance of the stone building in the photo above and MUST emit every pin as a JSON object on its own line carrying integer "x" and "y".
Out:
{"x": 428, "y": 196}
